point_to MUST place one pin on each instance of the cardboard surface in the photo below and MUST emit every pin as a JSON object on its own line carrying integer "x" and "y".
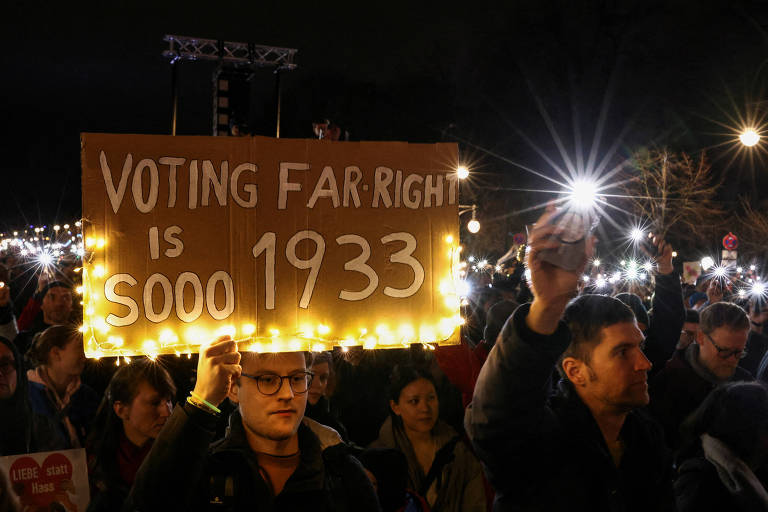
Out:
{"x": 46, "y": 478}
{"x": 286, "y": 243}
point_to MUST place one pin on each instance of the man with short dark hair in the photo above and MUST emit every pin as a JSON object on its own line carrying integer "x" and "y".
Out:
{"x": 272, "y": 457}
{"x": 56, "y": 309}
{"x": 690, "y": 375}
{"x": 588, "y": 447}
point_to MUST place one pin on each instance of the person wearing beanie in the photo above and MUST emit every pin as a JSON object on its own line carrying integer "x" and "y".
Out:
{"x": 697, "y": 300}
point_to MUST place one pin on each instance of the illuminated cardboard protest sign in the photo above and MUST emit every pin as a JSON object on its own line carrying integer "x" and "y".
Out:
{"x": 284, "y": 244}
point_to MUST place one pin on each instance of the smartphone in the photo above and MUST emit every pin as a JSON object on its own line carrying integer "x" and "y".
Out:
{"x": 575, "y": 228}
{"x": 648, "y": 246}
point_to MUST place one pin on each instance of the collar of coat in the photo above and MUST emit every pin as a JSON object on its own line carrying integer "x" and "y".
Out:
{"x": 582, "y": 424}
{"x": 315, "y": 443}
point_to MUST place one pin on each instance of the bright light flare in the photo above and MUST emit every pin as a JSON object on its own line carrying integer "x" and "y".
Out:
{"x": 463, "y": 288}
{"x": 45, "y": 258}
{"x": 636, "y": 234}
{"x": 749, "y": 137}
{"x": 706, "y": 263}
{"x": 583, "y": 194}
{"x": 473, "y": 226}
{"x": 462, "y": 172}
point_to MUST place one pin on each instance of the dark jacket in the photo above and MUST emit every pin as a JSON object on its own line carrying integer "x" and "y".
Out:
{"x": 321, "y": 413}
{"x": 225, "y": 475}
{"x": 547, "y": 452}
{"x": 80, "y": 410}
{"x": 680, "y": 388}
{"x": 756, "y": 347}
{"x": 458, "y": 487}
{"x": 24, "y": 339}
{"x": 667, "y": 317}
{"x": 698, "y": 487}
{"x": 21, "y": 429}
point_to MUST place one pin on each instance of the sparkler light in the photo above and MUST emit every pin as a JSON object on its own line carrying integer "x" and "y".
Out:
{"x": 596, "y": 263}
{"x": 636, "y": 234}
{"x": 758, "y": 290}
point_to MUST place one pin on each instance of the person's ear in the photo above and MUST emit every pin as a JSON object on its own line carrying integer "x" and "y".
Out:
{"x": 395, "y": 408}
{"x": 55, "y": 354}
{"x": 699, "y": 337}
{"x": 575, "y": 370}
{"x": 121, "y": 410}
{"x": 234, "y": 391}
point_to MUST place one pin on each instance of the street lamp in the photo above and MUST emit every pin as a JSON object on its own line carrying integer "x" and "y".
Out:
{"x": 473, "y": 226}
{"x": 749, "y": 137}
{"x": 462, "y": 172}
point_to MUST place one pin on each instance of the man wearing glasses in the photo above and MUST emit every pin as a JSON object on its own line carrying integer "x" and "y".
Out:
{"x": 271, "y": 458}
{"x": 691, "y": 374}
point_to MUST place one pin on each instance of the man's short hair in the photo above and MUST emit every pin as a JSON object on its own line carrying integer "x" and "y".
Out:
{"x": 723, "y": 314}
{"x": 54, "y": 284}
{"x": 691, "y": 316}
{"x": 586, "y": 316}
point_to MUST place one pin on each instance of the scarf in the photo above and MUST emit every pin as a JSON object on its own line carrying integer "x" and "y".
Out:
{"x": 737, "y": 477}
{"x": 60, "y": 404}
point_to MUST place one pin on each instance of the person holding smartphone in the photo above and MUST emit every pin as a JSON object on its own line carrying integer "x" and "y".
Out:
{"x": 589, "y": 446}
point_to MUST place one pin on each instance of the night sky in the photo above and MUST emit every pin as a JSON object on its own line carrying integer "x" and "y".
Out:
{"x": 663, "y": 73}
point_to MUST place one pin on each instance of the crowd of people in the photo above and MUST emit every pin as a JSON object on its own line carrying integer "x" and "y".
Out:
{"x": 561, "y": 395}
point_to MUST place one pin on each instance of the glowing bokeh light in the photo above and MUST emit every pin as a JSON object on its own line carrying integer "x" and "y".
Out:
{"x": 749, "y": 137}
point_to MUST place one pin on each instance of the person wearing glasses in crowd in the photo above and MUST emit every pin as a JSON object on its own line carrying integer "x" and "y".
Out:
{"x": 692, "y": 374}
{"x": 271, "y": 458}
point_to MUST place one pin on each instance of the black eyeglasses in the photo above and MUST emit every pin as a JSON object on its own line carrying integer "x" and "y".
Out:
{"x": 725, "y": 353}
{"x": 270, "y": 383}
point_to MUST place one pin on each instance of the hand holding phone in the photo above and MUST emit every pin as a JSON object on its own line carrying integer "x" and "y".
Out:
{"x": 572, "y": 229}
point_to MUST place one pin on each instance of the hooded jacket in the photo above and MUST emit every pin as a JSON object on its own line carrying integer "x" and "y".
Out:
{"x": 544, "y": 452}
{"x": 459, "y": 486}
{"x": 225, "y": 475}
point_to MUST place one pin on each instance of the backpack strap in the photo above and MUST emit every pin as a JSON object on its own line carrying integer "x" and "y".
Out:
{"x": 443, "y": 456}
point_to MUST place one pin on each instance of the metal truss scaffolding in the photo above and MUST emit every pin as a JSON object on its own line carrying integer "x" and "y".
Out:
{"x": 231, "y": 56}
{"x": 247, "y": 54}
